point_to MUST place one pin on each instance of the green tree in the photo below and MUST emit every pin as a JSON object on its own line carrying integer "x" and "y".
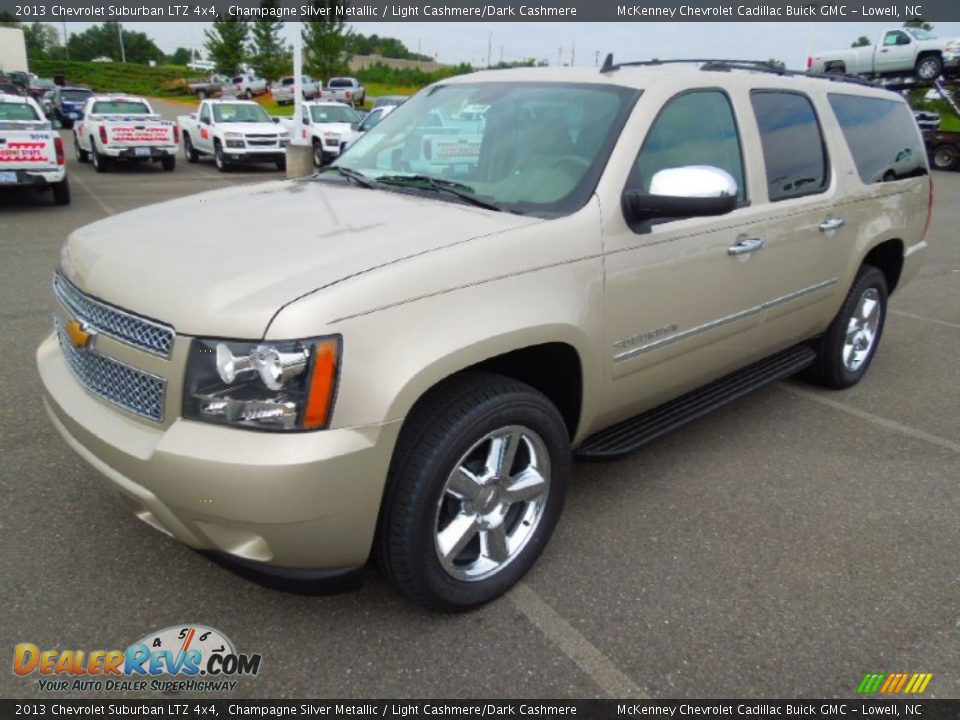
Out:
{"x": 270, "y": 55}
{"x": 325, "y": 40}
{"x": 862, "y": 41}
{"x": 226, "y": 43}
{"x": 8, "y": 19}
{"x": 919, "y": 24}
{"x": 41, "y": 40}
{"x": 104, "y": 41}
{"x": 181, "y": 56}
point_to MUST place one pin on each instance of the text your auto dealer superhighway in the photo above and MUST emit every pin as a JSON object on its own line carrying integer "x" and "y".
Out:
{"x": 719, "y": 11}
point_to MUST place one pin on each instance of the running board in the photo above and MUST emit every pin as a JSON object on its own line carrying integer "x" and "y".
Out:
{"x": 632, "y": 434}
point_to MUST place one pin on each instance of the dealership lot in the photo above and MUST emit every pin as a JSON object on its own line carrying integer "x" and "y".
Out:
{"x": 782, "y": 547}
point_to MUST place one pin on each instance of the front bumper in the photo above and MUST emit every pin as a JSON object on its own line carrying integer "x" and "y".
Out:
{"x": 35, "y": 178}
{"x": 293, "y": 502}
{"x": 254, "y": 155}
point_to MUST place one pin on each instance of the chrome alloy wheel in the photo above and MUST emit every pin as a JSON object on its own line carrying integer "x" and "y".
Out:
{"x": 862, "y": 330}
{"x": 492, "y": 503}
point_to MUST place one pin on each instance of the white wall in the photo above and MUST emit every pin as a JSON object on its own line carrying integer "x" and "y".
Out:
{"x": 13, "y": 50}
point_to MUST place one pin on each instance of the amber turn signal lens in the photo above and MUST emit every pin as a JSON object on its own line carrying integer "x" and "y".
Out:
{"x": 323, "y": 384}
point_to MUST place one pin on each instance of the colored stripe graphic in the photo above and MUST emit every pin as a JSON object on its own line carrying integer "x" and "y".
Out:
{"x": 894, "y": 683}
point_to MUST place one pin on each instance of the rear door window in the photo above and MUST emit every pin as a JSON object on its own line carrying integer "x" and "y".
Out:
{"x": 794, "y": 153}
{"x": 882, "y": 136}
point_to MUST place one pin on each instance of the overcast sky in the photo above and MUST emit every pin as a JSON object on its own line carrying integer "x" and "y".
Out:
{"x": 453, "y": 42}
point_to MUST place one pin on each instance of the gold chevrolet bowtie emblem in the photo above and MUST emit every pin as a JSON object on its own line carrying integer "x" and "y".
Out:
{"x": 79, "y": 334}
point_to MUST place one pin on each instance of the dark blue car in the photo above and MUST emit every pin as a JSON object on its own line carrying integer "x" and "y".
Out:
{"x": 68, "y": 104}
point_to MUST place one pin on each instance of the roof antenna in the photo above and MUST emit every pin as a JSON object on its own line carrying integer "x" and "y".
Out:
{"x": 607, "y": 63}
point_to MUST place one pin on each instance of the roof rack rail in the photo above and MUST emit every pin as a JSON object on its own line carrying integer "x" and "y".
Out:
{"x": 725, "y": 65}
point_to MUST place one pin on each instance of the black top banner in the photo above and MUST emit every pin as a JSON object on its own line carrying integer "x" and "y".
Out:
{"x": 358, "y": 11}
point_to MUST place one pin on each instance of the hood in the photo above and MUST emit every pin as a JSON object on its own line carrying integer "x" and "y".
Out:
{"x": 224, "y": 263}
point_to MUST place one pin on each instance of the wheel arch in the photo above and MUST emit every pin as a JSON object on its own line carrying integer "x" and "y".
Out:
{"x": 887, "y": 257}
{"x": 554, "y": 366}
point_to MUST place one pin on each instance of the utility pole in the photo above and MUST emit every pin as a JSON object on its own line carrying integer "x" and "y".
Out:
{"x": 123, "y": 52}
{"x": 66, "y": 45}
{"x": 501, "y": 54}
{"x": 596, "y": 58}
{"x": 560, "y": 56}
{"x": 490, "y": 49}
{"x": 573, "y": 52}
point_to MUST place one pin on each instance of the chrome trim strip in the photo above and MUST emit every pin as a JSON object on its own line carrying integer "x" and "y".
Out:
{"x": 670, "y": 339}
{"x": 63, "y": 288}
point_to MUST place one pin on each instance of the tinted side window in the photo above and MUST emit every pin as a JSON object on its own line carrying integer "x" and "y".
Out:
{"x": 882, "y": 136}
{"x": 205, "y": 114}
{"x": 696, "y": 128}
{"x": 793, "y": 149}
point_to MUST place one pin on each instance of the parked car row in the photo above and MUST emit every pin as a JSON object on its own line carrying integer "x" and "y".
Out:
{"x": 347, "y": 90}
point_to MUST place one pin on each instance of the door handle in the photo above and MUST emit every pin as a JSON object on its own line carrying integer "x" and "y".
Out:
{"x": 746, "y": 246}
{"x": 833, "y": 223}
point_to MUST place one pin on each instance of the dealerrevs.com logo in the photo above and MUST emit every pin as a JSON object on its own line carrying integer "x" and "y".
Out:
{"x": 182, "y": 658}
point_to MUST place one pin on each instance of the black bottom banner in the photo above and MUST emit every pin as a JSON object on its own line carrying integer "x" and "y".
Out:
{"x": 208, "y": 708}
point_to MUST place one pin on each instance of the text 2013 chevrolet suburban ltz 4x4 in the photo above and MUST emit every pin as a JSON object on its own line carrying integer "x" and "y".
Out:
{"x": 403, "y": 366}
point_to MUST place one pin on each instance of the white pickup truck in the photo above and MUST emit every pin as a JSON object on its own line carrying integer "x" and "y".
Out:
{"x": 245, "y": 85}
{"x": 123, "y": 128}
{"x": 899, "y": 52}
{"x": 31, "y": 153}
{"x": 283, "y": 91}
{"x": 233, "y": 131}
{"x": 346, "y": 90}
{"x": 323, "y": 124}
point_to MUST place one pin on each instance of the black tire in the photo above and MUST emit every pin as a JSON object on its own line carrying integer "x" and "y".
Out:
{"x": 100, "y": 163}
{"x": 201, "y": 94}
{"x": 188, "y": 152}
{"x": 248, "y": 94}
{"x": 830, "y": 368}
{"x": 929, "y": 68}
{"x": 445, "y": 425}
{"x": 218, "y": 159}
{"x": 946, "y": 157}
{"x": 82, "y": 155}
{"x": 281, "y": 164}
{"x": 168, "y": 162}
{"x": 317, "y": 154}
{"x": 61, "y": 192}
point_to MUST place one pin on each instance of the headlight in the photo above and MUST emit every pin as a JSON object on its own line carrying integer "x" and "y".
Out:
{"x": 287, "y": 385}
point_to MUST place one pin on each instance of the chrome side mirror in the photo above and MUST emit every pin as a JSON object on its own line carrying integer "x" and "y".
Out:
{"x": 683, "y": 192}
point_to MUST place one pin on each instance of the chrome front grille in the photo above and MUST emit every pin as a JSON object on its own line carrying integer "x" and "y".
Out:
{"x": 134, "y": 390}
{"x": 139, "y": 332}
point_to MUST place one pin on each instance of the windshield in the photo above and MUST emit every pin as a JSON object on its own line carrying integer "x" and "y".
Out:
{"x": 535, "y": 148}
{"x": 228, "y": 113}
{"x": 120, "y": 107}
{"x": 75, "y": 95}
{"x": 921, "y": 34}
{"x": 17, "y": 111}
{"x": 333, "y": 114}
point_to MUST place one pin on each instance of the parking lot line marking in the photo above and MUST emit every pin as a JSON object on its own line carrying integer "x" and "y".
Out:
{"x": 106, "y": 208}
{"x": 926, "y": 319}
{"x": 574, "y": 645}
{"x": 874, "y": 419}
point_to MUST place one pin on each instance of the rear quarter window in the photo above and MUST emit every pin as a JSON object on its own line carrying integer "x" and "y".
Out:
{"x": 882, "y": 136}
{"x": 794, "y": 153}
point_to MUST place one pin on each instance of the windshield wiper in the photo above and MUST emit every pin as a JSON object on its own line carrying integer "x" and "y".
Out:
{"x": 358, "y": 177}
{"x": 425, "y": 182}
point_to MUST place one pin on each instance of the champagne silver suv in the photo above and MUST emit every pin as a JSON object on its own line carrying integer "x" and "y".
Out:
{"x": 514, "y": 268}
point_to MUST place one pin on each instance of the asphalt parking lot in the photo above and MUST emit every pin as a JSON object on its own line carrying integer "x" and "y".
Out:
{"x": 781, "y": 547}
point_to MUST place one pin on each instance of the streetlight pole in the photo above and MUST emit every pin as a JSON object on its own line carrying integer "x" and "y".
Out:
{"x": 123, "y": 52}
{"x": 299, "y": 153}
